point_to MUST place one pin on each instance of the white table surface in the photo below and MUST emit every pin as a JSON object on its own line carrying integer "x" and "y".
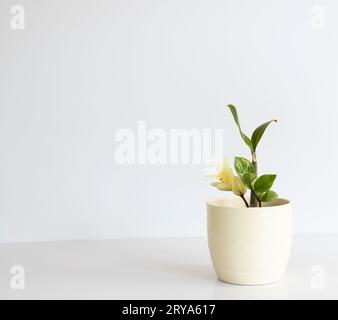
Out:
{"x": 158, "y": 269}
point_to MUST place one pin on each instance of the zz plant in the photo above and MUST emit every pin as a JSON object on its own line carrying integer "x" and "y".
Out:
{"x": 248, "y": 178}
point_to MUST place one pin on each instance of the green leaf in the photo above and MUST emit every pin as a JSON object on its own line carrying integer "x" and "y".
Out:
{"x": 264, "y": 182}
{"x": 235, "y": 116}
{"x": 268, "y": 196}
{"x": 243, "y": 165}
{"x": 248, "y": 178}
{"x": 258, "y": 133}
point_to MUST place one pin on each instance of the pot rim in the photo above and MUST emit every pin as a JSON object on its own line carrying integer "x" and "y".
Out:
{"x": 221, "y": 203}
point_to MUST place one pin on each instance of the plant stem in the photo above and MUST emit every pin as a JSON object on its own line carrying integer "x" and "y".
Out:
{"x": 253, "y": 199}
{"x": 257, "y": 199}
{"x": 246, "y": 202}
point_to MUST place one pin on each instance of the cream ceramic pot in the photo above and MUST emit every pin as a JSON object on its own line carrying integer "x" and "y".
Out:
{"x": 249, "y": 246}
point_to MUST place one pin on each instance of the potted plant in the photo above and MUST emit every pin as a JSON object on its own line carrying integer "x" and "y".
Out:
{"x": 249, "y": 238}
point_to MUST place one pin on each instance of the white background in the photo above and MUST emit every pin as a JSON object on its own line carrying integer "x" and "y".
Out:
{"x": 81, "y": 70}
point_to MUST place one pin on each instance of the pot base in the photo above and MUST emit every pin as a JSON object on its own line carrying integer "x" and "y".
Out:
{"x": 249, "y": 279}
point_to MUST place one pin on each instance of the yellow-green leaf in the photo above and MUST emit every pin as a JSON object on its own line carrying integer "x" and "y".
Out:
{"x": 248, "y": 178}
{"x": 238, "y": 187}
{"x": 258, "y": 133}
{"x": 264, "y": 182}
{"x": 236, "y": 118}
{"x": 222, "y": 186}
{"x": 268, "y": 196}
{"x": 243, "y": 165}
